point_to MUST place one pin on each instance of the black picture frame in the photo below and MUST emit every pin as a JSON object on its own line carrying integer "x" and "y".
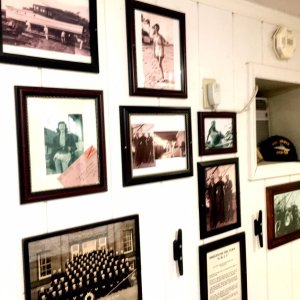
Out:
{"x": 217, "y": 133}
{"x": 223, "y": 268}
{"x": 62, "y": 37}
{"x": 167, "y": 154}
{"x": 219, "y": 199}
{"x": 144, "y": 80}
{"x": 63, "y": 258}
{"x": 48, "y": 169}
{"x": 283, "y": 203}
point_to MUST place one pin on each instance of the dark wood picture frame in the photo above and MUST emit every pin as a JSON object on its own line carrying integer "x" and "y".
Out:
{"x": 49, "y": 169}
{"x": 156, "y": 143}
{"x": 50, "y": 261}
{"x": 62, "y": 37}
{"x": 283, "y": 217}
{"x": 219, "y": 196}
{"x": 168, "y": 77}
{"x": 217, "y": 133}
{"x": 223, "y": 268}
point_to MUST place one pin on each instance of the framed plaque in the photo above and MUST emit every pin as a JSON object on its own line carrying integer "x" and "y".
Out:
{"x": 223, "y": 268}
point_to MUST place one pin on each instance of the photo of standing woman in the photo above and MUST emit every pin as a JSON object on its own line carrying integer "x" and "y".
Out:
{"x": 156, "y": 42}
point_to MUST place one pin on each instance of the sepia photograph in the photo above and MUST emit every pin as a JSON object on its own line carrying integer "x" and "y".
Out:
{"x": 150, "y": 147}
{"x": 217, "y": 133}
{"x": 156, "y": 143}
{"x": 61, "y": 142}
{"x": 56, "y": 33}
{"x": 219, "y": 199}
{"x": 158, "y": 66}
{"x": 95, "y": 261}
{"x": 157, "y": 51}
{"x": 143, "y": 150}
{"x": 283, "y": 213}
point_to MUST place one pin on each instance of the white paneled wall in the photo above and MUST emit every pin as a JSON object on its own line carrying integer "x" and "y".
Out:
{"x": 222, "y": 38}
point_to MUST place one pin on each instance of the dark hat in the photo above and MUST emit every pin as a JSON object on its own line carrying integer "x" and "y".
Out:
{"x": 278, "y": 148}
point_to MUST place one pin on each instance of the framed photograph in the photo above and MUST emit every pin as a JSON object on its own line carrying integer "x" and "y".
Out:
{"x": 156, "y": 51}
{"x": 94, "y": 261}
{"x": 219, "y": 196}
{"x": 61, "y": 142}
{"x": 223, "y": 269}
{"x": 283, "y": 213}
{"x": 156, "y": 143}
{"x": 52, "y": 34}
{"x": 217, "y": 132}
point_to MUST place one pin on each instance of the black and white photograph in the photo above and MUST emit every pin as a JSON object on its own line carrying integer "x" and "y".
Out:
{"x": 95, "y": 261}
{"x": 56, "y": 33}
{"x": 61, "y": 142}
{"x": 217, "y": 133}
{"x": 283, "y": 213}
{"x": 219, "y": 199}
{"x": 159, "y": 38}
{"x": 155, "y": 143}
{"x": 287, "y": 213}
{"x": 64, "y": 142}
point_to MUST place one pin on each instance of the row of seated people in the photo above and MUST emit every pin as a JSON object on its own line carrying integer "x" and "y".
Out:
{"x": 99, "y": 288}
{"x": 100, "y": 279}
{"x": 94, "y": 258}
{"x": 90, "y": 272}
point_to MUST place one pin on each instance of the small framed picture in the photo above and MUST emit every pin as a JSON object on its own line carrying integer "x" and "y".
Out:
{"x": 219, "y": 196}
{"x": 223, "y": 269}
{"x": 156, "y": 143}
{"x": 156, "y": 51}
{"x": 283, "y": 216}
{"x": 95, "y": 261}
{"x": 60, "y": 34}
{"x": 217, "y": 132}
{"x": 61, "y": 142}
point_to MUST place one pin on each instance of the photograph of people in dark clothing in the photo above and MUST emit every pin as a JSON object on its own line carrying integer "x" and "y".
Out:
{"x": 219, "y": 196}
{"x": 142, "y": 146}
{"x": 97, "y": 261}
{"x": 149, "y": 146}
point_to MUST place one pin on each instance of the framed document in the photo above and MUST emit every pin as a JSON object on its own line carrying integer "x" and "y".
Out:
{"x": 61, "y": 142}
{"x": 223, "y": 273}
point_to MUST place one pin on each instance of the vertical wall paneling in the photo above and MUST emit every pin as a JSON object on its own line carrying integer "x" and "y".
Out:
{"x": 226, "y": 40}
